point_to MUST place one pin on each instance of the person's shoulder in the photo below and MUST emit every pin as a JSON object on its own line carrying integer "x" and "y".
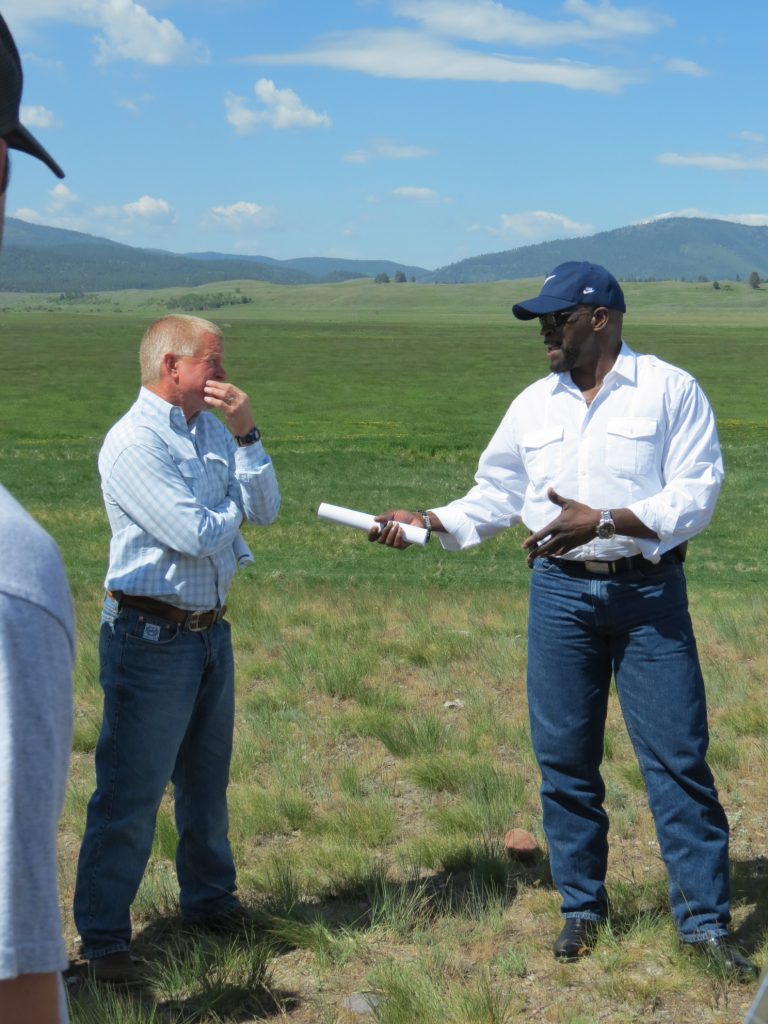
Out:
{"x": 533, "y": 392}
{"x": 33, "y": 569}
{"x": 18, "y": 530}
{"x": 135, "y": 427}
{"x": 654, "y": 364}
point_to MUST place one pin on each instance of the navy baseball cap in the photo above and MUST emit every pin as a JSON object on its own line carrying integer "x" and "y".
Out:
{"x": 573, "y": 284}
{"x": 12, "y": 131}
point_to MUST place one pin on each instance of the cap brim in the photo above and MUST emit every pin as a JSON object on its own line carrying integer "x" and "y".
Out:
{"x": 539, "y": 306}
{"x": 24, "y": 141}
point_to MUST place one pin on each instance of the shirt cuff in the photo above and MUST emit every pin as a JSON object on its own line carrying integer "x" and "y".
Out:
{"x": 252, "y": 455}
{"x": 653, "y": 548}
{"x": 460, "y": 531}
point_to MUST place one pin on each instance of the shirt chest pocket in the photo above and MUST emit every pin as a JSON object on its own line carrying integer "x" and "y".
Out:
{"x": 543, "y": 454}
{"x": 630, "y": 446}
{"x": 207, "y": 477}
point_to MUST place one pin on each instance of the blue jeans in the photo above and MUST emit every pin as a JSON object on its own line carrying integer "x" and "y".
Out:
{"x": 636, "y": 627}
{"x": 168, "y": 716}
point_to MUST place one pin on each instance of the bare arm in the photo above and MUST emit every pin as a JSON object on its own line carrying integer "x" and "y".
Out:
{"x": 30, "y": 999}
{"x": 576, "y": 525}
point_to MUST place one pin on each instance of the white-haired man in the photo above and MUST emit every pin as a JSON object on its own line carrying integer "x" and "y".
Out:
{"x": 177, "y": 485}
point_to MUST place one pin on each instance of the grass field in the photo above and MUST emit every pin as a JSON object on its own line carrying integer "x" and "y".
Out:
{"x": 381, "y": 740}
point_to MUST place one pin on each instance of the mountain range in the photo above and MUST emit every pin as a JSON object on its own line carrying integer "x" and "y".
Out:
{"x": 36, "y": 258}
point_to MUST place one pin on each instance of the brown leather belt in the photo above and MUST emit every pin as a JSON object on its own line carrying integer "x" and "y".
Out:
{"x": 195, "y": 622}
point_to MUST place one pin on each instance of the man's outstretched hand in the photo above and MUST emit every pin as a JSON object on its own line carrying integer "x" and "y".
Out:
{"x": 576, "y": 525}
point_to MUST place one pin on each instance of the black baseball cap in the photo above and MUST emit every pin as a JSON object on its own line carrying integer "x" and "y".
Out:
{"x": 12, "y": 130}
{"x": 573, "y": 284}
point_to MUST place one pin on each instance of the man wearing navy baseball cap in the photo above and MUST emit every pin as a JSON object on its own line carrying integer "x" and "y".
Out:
{"x": 37, "y": 645}
{"x": 572, "y": 284}
{"x": 12, "y": 131}
{"x": 623, "y": 447}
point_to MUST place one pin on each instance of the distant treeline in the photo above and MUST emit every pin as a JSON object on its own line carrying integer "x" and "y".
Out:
{"x": 207, "y": 300}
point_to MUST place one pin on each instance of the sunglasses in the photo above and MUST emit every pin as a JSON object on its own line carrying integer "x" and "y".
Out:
{"x": 554, "y": 321}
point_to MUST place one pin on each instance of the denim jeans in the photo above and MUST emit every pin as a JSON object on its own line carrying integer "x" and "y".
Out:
{"x": 636, "y": 627}
{"x": 168, "y": 716}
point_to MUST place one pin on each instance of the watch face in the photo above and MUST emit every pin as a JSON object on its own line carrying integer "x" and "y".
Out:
{"x": 606, "y": 528}
{"x": 251, "y": 437}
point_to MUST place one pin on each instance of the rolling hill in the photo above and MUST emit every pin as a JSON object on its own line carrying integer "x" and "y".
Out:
{"x": 675, "y": 248}
{"x": 36, "y": 258}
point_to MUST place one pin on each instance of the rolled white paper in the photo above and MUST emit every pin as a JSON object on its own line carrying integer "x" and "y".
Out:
{"x": 364, "y": 521}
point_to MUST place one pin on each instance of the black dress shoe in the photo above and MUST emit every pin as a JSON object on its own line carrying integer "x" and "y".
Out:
{"x": 576, "y": 939}
{"x": 724, "y": 955}
{"x": 117, "y": 969}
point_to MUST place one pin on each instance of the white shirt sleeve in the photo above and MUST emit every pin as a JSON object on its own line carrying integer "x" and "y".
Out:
{"x": 693, "y": 474}
{"x": 496, "y": 500}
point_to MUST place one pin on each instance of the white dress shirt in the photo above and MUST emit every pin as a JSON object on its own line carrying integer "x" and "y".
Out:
{"x": 175, "y": 495}
{"x": 648, "y": 442}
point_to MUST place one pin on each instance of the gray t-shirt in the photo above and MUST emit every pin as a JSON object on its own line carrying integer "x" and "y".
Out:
{"x": 37, "y": 647}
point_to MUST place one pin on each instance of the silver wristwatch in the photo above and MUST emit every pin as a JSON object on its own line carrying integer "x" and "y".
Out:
{"x": 606, "y": 528}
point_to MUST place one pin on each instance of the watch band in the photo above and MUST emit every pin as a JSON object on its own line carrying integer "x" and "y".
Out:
{"x": 253, "y": 435}
{"x": 606, "y": 527}
{"x": 426, "y": 520}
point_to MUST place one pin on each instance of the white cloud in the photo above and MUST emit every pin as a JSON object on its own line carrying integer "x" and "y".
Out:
{"x": 37, "y": 117}
{"x": 755, "y": 220}
{"x": 47, "y": 63}
{"x": 283, "y": 110}
{"x": 415, "y": 55}
{"x": 242, "y": 119}
{"x": 30, "y": 216}
{"x": 678, "y": 66}
{"x": 65, "y": 209}
{"x": 125, "y": 30}
{"x": 62, "y": 198}
{"x": 414, "y": 192}
{"x": 148, "y": 209}
{"x": 757, "y": 137}
{"x": 134, "y": 106}
{"x": 241, "y": 216}
{"x": 536, "y": 226}
{"x": 386, "y": 149}
{"x": 714, "y": 162}
{"x": 485, "y": 21}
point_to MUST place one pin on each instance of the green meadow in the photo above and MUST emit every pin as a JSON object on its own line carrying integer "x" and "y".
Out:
{"x": 381, "y": 746}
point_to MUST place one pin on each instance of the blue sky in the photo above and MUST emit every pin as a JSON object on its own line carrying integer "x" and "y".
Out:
{"x": 421, "y": 131}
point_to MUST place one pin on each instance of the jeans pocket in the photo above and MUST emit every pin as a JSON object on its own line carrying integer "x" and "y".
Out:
{"x": 149, "y": 631}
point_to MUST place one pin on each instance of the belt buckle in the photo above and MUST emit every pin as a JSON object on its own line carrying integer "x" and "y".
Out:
{"x": 195, "y": 621}
{"x": 602, "y": 568}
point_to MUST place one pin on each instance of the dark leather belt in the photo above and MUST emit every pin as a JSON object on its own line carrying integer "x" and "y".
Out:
{"x": 195, "y": 622}
{"x": 618, "y": 567}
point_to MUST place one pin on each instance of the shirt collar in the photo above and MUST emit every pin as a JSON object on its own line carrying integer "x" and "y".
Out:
{"x": 162, "y": 412}
{"x": 624, "y": 367}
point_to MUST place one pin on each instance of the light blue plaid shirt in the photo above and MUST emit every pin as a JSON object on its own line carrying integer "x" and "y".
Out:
{"x": 175, "y": 495}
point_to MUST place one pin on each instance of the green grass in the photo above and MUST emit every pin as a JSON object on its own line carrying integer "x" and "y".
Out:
{"x": 381, "y": 744}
